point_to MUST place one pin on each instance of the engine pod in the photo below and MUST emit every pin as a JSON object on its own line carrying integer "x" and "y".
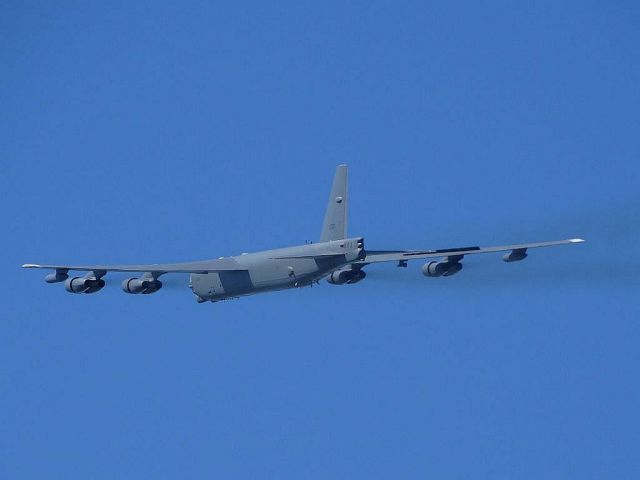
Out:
{"x": 441, "y": 269}
{"x": 515, "y": 255}
{"x": 76, "y": 285}
{"x": 58, "y": 276}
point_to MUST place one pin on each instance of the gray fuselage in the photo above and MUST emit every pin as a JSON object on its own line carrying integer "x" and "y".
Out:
{"x": 278, "y": 269}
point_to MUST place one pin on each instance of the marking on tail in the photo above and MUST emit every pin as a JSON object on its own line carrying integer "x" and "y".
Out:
{"x": 335, "y": 218}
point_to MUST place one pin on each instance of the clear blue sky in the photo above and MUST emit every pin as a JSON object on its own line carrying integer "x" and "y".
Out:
{"x": 169, "y": 131}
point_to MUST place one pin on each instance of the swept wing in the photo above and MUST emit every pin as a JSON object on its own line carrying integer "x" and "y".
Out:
{"x": 205, "y": 266}
{"x": 376, "y": 256}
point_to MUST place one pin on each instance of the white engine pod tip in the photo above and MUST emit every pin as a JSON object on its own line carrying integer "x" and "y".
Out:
{"x": 576, "y": 240}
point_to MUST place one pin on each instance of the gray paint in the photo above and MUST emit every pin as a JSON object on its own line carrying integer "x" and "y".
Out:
{"x": 334, "y": 226}
{"x": 276, "y": 269}
{"x": 336, "y": 257}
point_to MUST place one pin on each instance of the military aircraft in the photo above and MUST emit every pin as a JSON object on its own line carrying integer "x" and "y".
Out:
{"x": 338, "y": 258}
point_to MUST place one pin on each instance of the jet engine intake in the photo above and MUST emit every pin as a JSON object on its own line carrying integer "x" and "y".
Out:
{"x": 441, "y": 269}
{"x": 84, "y": 284}
{"x": 349, "y": 276}
{"x": 141, "y": 285}
{"x": 362, "y": 253}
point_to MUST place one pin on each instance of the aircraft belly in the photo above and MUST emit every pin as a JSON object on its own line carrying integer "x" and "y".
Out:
{"x": 267, "y": 275}
{"x": 282, "y": 273}
{"x": 206, "y": 285}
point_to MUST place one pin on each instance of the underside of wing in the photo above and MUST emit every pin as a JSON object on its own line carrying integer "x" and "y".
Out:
{"x": 145, "y": 283}
{"x": 322, "y": 255}
{"x": 517, "y": 252}
{"x": 204, "y": 266}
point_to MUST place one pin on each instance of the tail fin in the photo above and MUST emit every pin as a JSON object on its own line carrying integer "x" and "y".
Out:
{"x": 335, "y": 219}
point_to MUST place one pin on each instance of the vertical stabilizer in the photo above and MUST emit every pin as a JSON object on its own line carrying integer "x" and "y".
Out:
{"x": 335, "y": 219}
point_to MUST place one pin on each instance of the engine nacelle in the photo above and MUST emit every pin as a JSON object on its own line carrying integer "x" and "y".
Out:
{"x": 152, "y": 287}
{"x": 75, "y": 285}
{"x": 340, "y": 277}
{"x": 83, "y": 285}
{"x": 95, "y": 285}
{"x": 141, "y": 285}
{"x": 515, "y": 255}
{"x": 441, "y": 269}
{"x": 58, "y": 276}
{"x": 132, "y": 285}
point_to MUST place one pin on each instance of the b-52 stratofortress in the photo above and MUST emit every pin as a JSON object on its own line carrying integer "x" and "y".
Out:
{"x": 336, "y": 257}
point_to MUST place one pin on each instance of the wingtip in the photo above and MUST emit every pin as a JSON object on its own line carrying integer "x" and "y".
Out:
{"x": 30, "y": 265}
{"x": 576, "y": 240}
